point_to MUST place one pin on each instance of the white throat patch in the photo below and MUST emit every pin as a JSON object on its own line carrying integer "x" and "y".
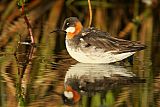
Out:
{"x": 70, "y": 29}
{"x": 69, "y": 94}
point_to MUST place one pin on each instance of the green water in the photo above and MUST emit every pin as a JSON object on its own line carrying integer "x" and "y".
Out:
{"x": 33, "y": 77}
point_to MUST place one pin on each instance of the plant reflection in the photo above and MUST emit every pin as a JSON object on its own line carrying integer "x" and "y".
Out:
{"x": 93, "y": 81}
{"x": 23, "y": 55}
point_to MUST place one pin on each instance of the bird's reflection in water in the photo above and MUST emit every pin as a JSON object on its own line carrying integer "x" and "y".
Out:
{"x": 86, "y": 79}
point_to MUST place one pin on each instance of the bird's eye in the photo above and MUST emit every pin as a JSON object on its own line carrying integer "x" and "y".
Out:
{"x": 67, "y": 24}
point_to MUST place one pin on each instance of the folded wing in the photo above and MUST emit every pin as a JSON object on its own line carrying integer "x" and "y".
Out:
{"x": 103, "y": 40}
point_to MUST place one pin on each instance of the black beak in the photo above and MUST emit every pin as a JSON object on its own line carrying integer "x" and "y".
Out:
{"x": 58, "y": 30}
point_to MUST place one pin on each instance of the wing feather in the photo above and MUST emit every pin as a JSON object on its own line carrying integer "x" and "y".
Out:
{"x": 99, "y": 39}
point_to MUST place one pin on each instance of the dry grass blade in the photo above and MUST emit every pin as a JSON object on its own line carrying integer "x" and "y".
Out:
{"x": 123, "y": 96}
{"x": 50, "y": 40}
{"x": 16, "y": 14}
{"x": 10, "y": 89}
{"x": 19, "y": 26}
{"x": 90, "y": 13}
{"x": 6, "y": 13}
{"x": 130, "y": 25}
{"x": 100, "y": 22}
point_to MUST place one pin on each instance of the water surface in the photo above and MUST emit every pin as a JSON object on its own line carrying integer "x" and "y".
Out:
{"x": 30, "y": 77}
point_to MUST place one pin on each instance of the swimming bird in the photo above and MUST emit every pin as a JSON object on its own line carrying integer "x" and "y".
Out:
{"x": 91, "y": 45}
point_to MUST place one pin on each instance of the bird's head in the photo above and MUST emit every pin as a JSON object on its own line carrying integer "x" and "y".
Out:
{"x": 70, "y": 96}
{"x": 72, "y": 26}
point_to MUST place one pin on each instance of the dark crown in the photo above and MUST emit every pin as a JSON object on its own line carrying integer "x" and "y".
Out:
{"x": 69, "y": 22}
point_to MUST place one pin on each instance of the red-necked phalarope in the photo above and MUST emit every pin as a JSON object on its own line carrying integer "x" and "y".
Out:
{"x": 95, "y": 46}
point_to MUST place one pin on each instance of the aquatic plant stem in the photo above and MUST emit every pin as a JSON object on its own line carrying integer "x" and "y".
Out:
{"x": 28, "y": 24}
{"x": 90, "y": 13}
